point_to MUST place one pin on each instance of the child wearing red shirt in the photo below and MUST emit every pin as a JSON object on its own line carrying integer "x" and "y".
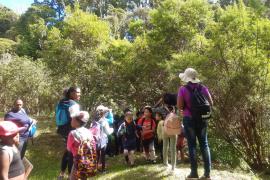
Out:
{"x": 148, "y": 126}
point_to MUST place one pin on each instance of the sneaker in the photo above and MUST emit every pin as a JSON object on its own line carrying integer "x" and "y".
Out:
{"x": 153, "y": 161}
{"x": 126, "y": 159}
{"x": 102, "y": 171}
{"x": 60, "y": 177}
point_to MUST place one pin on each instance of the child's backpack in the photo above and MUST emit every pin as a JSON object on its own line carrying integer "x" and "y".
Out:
{"x": 95, "y": 129}
{"x": 200, "y": 106}
{"x": 172, "y": 125}
{"x": 110, "y": 118}
{"x": 62, "y": 114}
{"x": 32, "y": 130}
{"x": 151, "y": 126}
{"x": 86, "y": 161}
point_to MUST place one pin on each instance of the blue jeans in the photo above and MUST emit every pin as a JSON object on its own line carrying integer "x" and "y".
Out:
{"x": 196, "y": 128}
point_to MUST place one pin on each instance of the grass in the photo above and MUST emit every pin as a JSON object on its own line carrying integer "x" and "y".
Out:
{"x": 46, "y": 152}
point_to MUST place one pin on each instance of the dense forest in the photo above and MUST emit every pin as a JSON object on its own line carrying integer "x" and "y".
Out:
{"x": 128, "y": 53}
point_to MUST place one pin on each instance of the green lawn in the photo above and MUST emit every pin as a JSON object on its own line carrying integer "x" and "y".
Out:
{"x": 46, "y": 152}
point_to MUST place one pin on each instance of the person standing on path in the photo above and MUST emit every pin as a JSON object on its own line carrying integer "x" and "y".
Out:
{"x": 195, "y": 125}
{"x": 147, "y": 125}
{"x": 128, "y": 132}
{"x": 67, "y": 108}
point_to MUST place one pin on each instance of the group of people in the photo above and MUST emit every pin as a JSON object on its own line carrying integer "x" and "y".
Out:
{"x": 150, "y": 129}
{"x": 86, "y": 140}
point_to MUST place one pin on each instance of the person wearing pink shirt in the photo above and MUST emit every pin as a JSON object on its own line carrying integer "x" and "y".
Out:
{"x": 78, "y": 135}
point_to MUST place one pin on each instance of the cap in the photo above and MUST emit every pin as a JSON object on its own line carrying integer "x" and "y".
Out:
{"x": 8, "y": 128}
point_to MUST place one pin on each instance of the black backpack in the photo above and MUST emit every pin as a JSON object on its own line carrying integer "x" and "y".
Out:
{"x": 200, "y": 106}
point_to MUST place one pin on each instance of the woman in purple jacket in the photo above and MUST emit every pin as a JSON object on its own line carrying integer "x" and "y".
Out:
{"x": 21, "y": 119}
{"x": 194, "y": 125}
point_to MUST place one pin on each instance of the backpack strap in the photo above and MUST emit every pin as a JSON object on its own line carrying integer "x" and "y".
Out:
{"x": 190, "y": 89}
{"x": 76, "y": 135}
{"x": 151, "y": 122}
{"x": 143, "y": 121}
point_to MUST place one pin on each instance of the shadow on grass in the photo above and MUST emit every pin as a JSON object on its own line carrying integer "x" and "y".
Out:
{"x": 117, "y": 169}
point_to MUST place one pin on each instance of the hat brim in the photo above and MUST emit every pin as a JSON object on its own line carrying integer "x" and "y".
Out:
{"x": 20, "y": 129}
{"x": 186, "y": 79}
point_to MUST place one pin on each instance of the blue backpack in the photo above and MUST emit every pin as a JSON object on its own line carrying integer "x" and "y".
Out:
{"x": 62, "y": 114}
{"x": 32, "y": 130}
{"x": 110, "y": 118}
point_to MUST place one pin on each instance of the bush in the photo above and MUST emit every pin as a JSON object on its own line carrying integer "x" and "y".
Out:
{"x": 23, "y": 78}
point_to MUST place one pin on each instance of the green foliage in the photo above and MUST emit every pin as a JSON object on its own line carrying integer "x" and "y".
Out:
{"x": 175, "y": 23}
{"x": 229, "y": 46}
{"x": 117, "y": 19}
{"x": 236, "y": 49}
{"x": 136, "y": 27}
{"x": 73, "y": 53}
{"x": 7, "y": 46}
{"x": 32, "y": 28}
{"x": 28, "y": 80}
{"x": 7, "y": 20}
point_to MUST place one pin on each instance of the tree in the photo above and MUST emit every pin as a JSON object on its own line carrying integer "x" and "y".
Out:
{"x": 235, "y": 47}
{"x": 74, "y": 52}
{"x": 175, "y": 23}
{"x": 28, "y": 80}
{"x": 7, "y": 20}
{"x": 7, "y": 46}
{"x": 32, "y": 28}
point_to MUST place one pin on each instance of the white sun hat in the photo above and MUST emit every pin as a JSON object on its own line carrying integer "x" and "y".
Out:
{"x": 102, "y": 108}
{"x": 190, "y": 75}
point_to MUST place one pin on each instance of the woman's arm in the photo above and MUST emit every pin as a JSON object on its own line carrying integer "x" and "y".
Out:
{"x": 4, "y": 165}
{"x": 180, "y": 103}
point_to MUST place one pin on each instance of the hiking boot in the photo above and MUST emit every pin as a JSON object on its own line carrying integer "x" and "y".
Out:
{"x": 192, "y": 176}
{"x": 204, "y": 177}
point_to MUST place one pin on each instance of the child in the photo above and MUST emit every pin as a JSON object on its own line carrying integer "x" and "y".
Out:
{"x": 129, "y": 134}
{"x": 160, "y": 132}
{"x": 181, "y": 145}
{"x": 169, "y": 141}
{"x": 10, "y": 160}
{"x": 75, "y": 138}
{"x": 105, "y": 131}
{"x": 148, "y": 126}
